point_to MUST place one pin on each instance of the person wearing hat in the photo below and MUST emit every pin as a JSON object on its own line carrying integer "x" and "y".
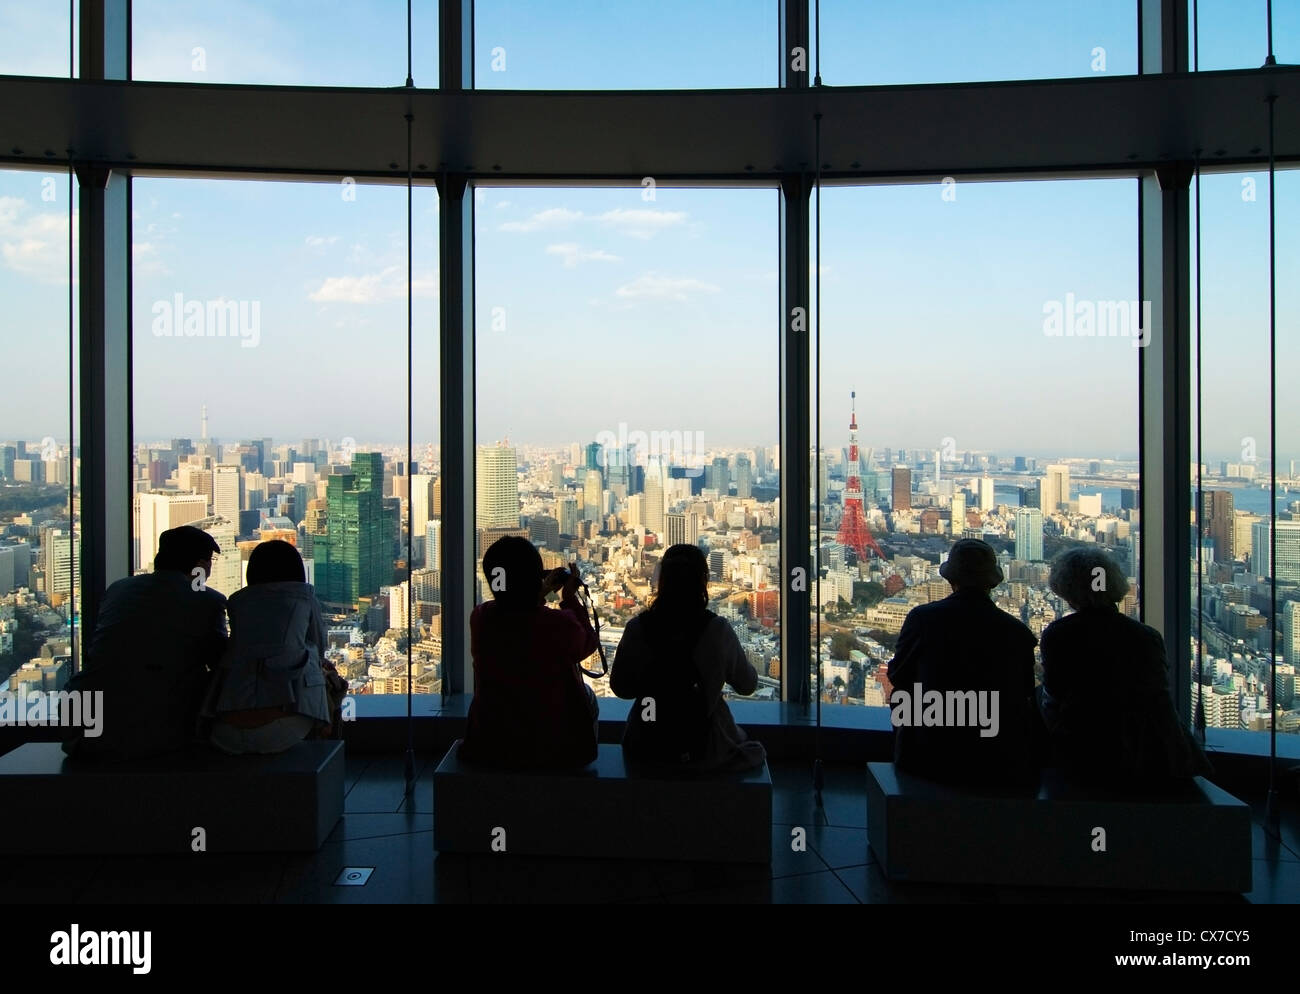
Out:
{"x": 962, "y": 643}
{"x": 157, "y": 636}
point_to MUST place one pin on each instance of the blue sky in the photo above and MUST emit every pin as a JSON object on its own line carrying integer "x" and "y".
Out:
{"x": 657, "y": 313}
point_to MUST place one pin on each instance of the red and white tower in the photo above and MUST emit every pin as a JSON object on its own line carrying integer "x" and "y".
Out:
{"x": 854, "y": 533}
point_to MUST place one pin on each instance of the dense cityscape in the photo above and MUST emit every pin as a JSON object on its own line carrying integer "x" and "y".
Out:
{"x": 358, "y": 515}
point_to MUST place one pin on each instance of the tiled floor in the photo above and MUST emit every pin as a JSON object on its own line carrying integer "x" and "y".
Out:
{"x": 385, "y": 829}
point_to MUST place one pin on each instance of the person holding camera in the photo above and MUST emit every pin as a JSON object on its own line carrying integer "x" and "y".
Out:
{"x": 531, "y": 708}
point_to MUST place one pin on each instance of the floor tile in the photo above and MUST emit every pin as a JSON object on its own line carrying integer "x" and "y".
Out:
{"x": 1275, "y": 882}
{"x": 403, "y": 872}
{"x": 371, "y": 825}
{"x": 199, "y": 878}
{"x": 810, "y": 888}
{"x": 505, "y": 879}
{"x": 381, "y": 788}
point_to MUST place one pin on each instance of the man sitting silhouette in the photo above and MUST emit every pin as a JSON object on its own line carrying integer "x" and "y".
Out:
{"x": 157, "y": 636}
{"x": 965, "y": 643}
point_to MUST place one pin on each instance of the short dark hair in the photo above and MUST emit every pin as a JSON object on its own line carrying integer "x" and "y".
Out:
{"x": 275, "y": 561}
{"x": 518, "y": 585}
{"x": 184, "y": 547}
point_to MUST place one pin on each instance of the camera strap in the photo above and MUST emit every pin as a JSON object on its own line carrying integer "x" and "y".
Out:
{"x": 589, "y": 606}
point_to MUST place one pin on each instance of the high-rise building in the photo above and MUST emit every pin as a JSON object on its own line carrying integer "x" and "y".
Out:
{"x": 1055, "y": 487}
{"x": 900, "y": 494}
{"x": 225, "y": 493}
{"x": 15, "y": 567}
{"x": 675, "y": 527}
{"x": 592, "y": 490}
{"x": 566, "y": 512}
{"x": 227, "y": 567}
{"x": 987, "y": 500}
{"x": 1031, "y": 496}
{"x": 60, "y": 562}
{"x": 636, "y": 511}
{"x": 543, "y": 530}
{"x": 1217, "y": 523}
{"x": 432, "y": 543}
{"x": 744, "y": 476}
{"x": 421, "y": 513}
{"x": 159, "y": 512}
{"x": 354, "y": 557}
{"x": 1029, "y": 534}
{"x": 1290, "y": 611}
{"x": 497, "y": 498}
{"x": 957, "y": 514}
{"x": 717, "y": 476}
{"x": 1288, "y": 550}
{"x": 654, "y": 498}
{"x": 594, "y": 456}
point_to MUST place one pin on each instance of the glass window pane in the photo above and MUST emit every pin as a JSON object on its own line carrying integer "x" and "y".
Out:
{"x": 34, "y": 38}
{"x": 594, "y": 45}
{"x": 627, "y": 394}
{"x": 290, "y": 42}
{"x": 1233, "y": 34}
{"x": 40, "y": 563}
{"x": 952, "y": 41}
{"x": 1235, "y": 571}
{"x": 954, "y": 338}
{"x": 270, "y": 396}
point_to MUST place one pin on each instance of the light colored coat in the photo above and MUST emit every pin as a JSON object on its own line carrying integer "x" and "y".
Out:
{"x": 277, "y": 641}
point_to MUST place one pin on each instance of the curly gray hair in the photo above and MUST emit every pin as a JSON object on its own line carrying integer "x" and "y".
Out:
{"x": 1086, "y": 577}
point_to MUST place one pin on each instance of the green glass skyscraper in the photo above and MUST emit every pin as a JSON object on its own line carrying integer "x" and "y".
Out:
{"x": 354, "y": 558}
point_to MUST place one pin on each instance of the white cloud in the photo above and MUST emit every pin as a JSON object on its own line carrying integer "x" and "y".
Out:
{"x": 572, "y": 254}
{"x": 145, "y": 260}
{"x": 641, "y": 223}
{"x": 387, "y": 284}
{"x": 34, "y": 242}
{"x": 552, "y": 217}
{"x": 653, "y": 286}
{"x": 321, "y": 241}
{"x": 502, "y": 204}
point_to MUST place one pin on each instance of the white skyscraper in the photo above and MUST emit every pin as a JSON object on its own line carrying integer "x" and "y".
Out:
{"x": 159, "y": 512}
{"x": 1291, "y": 632}
{"x": 986, "y": 497}
{"x": 1029, "y": 534}
{"x": 227, "y": 567}
{"x": 1288, "y": 550}
{"x": 60, "y": 561}
{"x": 432, "y": 543}
{"x": 1054, "y": 487}
{"x": 654, "y": 498}
{"x": 225, "y": 493}
{"x": 497, "y": 500}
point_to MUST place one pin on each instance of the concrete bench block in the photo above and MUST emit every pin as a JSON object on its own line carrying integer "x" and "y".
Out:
{"x": 604, "y": 810}
{"x": 283, "y": 803}
{"x": 1195, "y": 840}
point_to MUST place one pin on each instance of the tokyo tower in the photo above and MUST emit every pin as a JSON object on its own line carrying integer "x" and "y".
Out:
{"x": 854, "y": 533}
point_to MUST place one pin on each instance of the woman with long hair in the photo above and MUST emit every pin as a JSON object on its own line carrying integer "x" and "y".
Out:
{"x": 673, "y": 661}
{"x": 271, "y": 689}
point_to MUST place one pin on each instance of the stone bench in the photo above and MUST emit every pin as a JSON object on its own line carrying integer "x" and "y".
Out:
{"x": 604, "y": 810}
{"x": 282, "y": 803}
{"x": 1196, "y": 840}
